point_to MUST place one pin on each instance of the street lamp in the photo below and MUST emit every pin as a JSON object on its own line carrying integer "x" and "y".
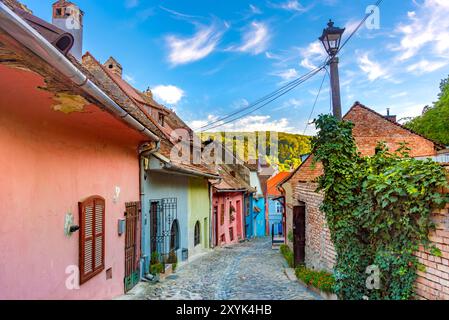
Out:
{"x": 331, "y": 40}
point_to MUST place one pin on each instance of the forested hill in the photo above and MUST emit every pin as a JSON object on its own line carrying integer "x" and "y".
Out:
{"x": 290, "y": 147}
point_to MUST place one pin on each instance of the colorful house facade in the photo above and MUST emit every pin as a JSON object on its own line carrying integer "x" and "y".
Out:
{"x": 276, "y": 214}
{"x": 255, "y": 214}
{"x": 174, "y": 194}
{"x": 70, "y": 169}
{"x": 228, "y": 212}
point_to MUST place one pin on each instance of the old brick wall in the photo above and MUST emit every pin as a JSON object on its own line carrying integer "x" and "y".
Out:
{"x": 320, "y": 252}
{"x": 370, "y": 128}
{"x": 433, "y": 283}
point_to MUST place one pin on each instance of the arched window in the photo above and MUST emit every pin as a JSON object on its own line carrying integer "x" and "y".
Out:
{"x": 197, "y": 233}
{"x": 174, "y": 236}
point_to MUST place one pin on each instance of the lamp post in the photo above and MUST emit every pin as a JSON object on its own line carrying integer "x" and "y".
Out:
{"x": 331, "y": 40}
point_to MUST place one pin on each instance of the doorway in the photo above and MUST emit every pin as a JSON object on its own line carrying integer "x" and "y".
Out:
{"x": 132, "y": 273}
{"x": 299, "y": 233}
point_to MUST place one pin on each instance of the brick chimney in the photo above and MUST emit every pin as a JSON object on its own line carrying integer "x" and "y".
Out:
{"x": 68, "y": 17}
{"x": 112, "y": 65}
{"x": 390, "y": 117}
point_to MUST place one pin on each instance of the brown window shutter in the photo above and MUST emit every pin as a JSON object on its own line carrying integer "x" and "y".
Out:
{"x": 92, "y": 237}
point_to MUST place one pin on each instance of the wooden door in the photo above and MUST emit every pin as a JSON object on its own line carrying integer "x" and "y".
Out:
{"x": 299, "y": 234}
{"x": 239, "y": 220}
{"x": 132, "y": 270}
{"x": 215, "y": 226}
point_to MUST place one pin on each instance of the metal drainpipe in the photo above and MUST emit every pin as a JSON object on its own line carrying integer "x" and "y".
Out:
{"x": 17, "y": 28}
{"x": 211, "y": 196}
{"x": 142, "y": 155}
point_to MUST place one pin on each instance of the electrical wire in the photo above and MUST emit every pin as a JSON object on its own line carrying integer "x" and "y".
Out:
{"x": 314, "y": 104}
{"x": 268, "y": 102}
{"x": 288, "y": 86}
{"x": 284, "y": 89}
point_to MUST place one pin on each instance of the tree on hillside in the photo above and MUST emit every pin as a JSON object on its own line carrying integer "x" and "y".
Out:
{"x": 434, "y": 123}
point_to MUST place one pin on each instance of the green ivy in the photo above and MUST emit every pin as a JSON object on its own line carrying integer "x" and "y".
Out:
{"x": 378, "y": 210}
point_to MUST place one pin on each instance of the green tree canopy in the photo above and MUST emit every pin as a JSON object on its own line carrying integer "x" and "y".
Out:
{"x": 434, "y": 123}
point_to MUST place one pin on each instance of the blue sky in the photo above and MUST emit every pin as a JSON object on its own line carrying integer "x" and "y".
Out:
{"x": 206, "y": 58}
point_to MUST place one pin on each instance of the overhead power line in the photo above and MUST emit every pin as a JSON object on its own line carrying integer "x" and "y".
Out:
{"x": 309, "y": 75}
{"x": 285, "y": 88}
{"x": 314, "y": 104}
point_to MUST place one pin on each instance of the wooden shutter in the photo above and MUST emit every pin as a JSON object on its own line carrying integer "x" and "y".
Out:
{"x": 91, "y": 237}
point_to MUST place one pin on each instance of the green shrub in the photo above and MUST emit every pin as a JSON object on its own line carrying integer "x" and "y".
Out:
{"x": 156, "y": 269}
{"x": 154, "y": 258}
{"x": 288, "y": 255}
{"x": 290, "y": 236}
{"x": 321, "y": 280}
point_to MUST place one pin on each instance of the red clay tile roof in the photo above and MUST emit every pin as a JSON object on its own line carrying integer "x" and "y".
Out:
{"x": 273, "y": 182}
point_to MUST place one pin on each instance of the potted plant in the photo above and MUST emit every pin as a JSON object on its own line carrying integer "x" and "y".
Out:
{"x": 156, "y": 267}
{"x": 173, "y": 260}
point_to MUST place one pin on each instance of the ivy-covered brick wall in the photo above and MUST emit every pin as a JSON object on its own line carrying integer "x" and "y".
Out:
{"x": 433, "y": 283}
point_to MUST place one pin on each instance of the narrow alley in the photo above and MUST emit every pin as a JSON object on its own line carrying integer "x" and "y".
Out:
{"x": 246, "y": 271}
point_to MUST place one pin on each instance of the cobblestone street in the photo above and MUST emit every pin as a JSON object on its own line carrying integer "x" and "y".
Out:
{"x": 247, "y": 271}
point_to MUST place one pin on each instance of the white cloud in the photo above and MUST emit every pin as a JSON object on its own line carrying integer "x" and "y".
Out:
{"x": 240, "y": 103}
{"x": 313, "y": 55}
{"x": 168, "y": 94}
{"x": 254, "y": 9}
{"x": 426, "y": 66}
{"x": 427, "y": 28}
{"x": 291, "y": 5}
{"x": 372, "y": 69}
{"x": 248, "y": 124}
{"x": 255, "y": 39}
{"x": 186, "y": 50}
{"x": 287, "y": 75}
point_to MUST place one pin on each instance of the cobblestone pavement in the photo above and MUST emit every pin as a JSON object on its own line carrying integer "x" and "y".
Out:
{"x": 247, "y": 271}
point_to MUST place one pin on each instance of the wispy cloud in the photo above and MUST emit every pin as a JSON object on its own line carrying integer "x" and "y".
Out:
{"x": 185, "y": 50}
{"x": 312, "y": 55}
{"x": 254, "y": 40}
{"x": 426, "y": 66}
{"x": 254, "y": 9}
{"x": 168, "y": 93}
{"x": 372, "y": 69}
{"x": 287, "y": 74}
{"x": 290, "y": 5}
{"x": 428, "y": 27}
{"x": 248, "y": 124}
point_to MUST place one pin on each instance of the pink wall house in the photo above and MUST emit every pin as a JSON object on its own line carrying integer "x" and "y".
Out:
{"x": 227, "y": 217}
{"x": 56, "y": 153}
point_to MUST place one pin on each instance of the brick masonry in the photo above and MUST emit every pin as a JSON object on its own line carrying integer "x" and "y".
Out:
{"x": 369, "y": 129}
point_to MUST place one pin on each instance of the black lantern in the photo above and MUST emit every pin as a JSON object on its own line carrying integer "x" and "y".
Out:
{"x": 331, "y": 38}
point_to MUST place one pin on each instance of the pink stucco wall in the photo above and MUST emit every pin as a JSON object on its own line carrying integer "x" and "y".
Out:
{"x": 236, "y": 199}
{"x": 49, "y": 161}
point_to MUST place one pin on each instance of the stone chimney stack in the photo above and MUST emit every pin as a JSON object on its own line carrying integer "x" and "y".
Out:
{"x": 68, "y": 16}
{"x": 112, "y": 65}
